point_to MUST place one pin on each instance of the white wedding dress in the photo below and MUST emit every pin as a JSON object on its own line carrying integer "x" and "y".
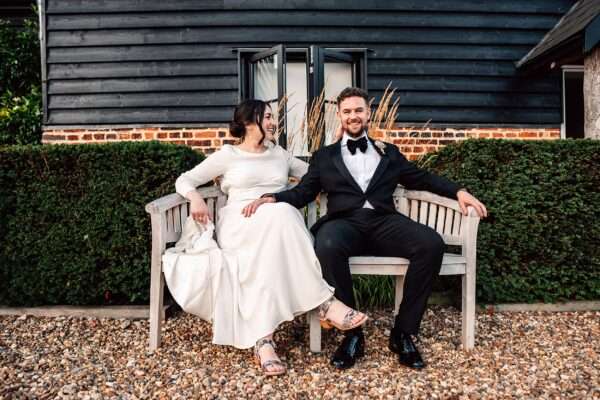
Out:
{"x": 274, "y": 272}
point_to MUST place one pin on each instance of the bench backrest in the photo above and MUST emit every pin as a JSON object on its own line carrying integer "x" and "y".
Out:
{"x": 439, "y": 213}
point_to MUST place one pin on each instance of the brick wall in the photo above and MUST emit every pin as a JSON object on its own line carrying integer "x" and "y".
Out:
{"x": 411, "y": 142}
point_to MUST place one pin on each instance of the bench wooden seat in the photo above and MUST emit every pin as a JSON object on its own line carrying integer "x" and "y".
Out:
{"x": 168, "y": 215}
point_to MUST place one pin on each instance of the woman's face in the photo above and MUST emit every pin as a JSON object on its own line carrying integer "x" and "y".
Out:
{"x": 269, "y": 124}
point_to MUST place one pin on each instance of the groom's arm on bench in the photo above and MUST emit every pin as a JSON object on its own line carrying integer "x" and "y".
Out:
{"x": 305, "y": 191}
{"x": 414, "y": 178}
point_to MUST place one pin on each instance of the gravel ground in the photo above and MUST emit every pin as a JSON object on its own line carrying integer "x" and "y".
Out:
{"x": 518, "y": 355}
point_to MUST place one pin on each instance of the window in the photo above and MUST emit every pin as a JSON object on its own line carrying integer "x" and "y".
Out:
{"x": 573, "y": 108}
{"x": 293, "y": 79}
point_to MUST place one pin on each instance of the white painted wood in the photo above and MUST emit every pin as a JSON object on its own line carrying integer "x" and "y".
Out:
{"x": 210, "y": 202}
{"x": 157, "y": 279}
{"x": 315, "y": 331}
{"x": 399, "y": 290}
{"x": 423, "y": 213}
{"x": 456, "y": 224}
{"x": 311, "y": 217}
{"x": 440, "y": 220}
{"x": 322, "y": 204}
{"x": 432, "y": 198}
{"x": 433, "y": 208}
{"x": 177, "y": 219}
{"x": 448, "y": 224}
{"x": 469, "y": 251}
{"x": 414, "y": 210}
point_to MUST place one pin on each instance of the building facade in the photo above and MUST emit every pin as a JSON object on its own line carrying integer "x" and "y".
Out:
{"x": 173, "y": 71}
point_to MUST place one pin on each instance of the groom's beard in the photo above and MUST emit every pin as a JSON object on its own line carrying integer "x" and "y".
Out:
{"x": 359, "y": 131}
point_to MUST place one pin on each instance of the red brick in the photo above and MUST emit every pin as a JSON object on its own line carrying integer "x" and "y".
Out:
{"x": 98, "y": 136}
{"x": 87, "y": 136}
{"x": 149, "y": 135}
{"x": 73, "y": 137}
{"x": 53, "y": 137}
{"x": 136, "y": 135}
{"x": 161, "y": 135}
{"x": 527, "y": 134}
{"x": 111, "y": 136}
{"x": 498, "y": 135}
{"x": 174, "y": 135}
{"x": 124, "y": 136}
{"x": 205, "y": 134}
{"x": 427, "y": 141}
{"x": 186, "y": 134}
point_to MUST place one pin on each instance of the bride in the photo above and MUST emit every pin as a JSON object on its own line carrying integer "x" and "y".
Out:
{"x": 278, "y": 273}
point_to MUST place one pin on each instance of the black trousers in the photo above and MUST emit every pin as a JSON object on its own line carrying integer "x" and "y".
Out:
{"x": 366, "y": 232}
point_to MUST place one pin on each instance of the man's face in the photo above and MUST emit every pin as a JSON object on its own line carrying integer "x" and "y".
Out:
{"x": 354, "y": 113}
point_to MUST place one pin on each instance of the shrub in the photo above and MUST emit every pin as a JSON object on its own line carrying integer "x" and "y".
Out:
{"x": 20, "y": 84}
{"x": 541, "y": 241}
{"x": 72, "y": 222}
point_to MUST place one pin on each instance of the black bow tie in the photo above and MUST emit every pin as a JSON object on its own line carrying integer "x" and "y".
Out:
{"x": 357, "y": 144}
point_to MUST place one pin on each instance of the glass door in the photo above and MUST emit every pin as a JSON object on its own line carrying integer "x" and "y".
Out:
{"x": 267, "y": 83}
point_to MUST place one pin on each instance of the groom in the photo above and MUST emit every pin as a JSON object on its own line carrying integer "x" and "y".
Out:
{"x": 359, "y": 176}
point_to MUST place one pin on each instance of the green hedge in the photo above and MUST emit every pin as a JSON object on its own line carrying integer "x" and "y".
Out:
{"x": 72, "y": 223}
{"x": 73, "y": 227}
{"x": 541, "y": 241}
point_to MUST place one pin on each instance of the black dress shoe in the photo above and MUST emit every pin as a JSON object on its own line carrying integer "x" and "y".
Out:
{"x": 351, "y": 349}
{"x": 403, "y": 345}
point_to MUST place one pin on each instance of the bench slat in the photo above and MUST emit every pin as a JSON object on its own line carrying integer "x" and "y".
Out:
{"x": 440, "y": 219}
{"x": 400, "y": 269}
{"x": 432, "y": 215}
{"x": 423, "y": 213}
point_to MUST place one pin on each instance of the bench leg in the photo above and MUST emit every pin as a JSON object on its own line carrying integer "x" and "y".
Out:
{"x": 468, "y": 311}
{"x": 314, "y": 331}
{"x": 399, "y": 293}
{"x": 157, "y": 285}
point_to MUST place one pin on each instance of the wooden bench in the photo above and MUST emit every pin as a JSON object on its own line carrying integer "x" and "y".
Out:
{"x": 169, "y": 213}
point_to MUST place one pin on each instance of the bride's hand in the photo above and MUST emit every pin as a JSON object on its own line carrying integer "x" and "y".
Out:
{"x": 252, "y": 207}
{"x": 199, "y": 211}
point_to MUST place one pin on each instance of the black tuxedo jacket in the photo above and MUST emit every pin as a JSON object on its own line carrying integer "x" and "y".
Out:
{"x": 328, "y": 173}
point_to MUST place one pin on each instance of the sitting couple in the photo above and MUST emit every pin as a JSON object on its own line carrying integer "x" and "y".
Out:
{"x": 280, "y": 273}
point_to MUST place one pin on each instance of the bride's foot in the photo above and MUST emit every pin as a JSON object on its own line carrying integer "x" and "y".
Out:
{"x": 335, "y": 313}
{"x": 267, "y": 359}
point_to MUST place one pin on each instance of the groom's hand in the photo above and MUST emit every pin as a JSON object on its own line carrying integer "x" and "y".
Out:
{"x": 465, "y": 199}
{"x": 252, "y": 207}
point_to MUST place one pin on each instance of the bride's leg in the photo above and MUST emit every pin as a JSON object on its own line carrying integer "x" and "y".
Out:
{"x": 334, "y": 312}
{"x": 266, "y": 357}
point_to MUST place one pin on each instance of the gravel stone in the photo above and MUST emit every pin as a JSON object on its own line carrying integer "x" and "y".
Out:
{"x": 529, "y": 355}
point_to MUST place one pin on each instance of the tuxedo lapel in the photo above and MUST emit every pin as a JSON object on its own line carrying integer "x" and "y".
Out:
{"x": 381, "y": 167}
{"x": 338, "y": 161}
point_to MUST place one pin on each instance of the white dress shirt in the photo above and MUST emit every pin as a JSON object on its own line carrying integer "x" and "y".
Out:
{"x": 361, "y": 165}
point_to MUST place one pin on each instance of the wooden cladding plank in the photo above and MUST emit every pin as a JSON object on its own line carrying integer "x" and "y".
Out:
{"x": 464, "y": 84}
{"x": 446, "y": 51}
{"x": 147, "y": 99}
{"x": 120, "y": 6}
{"x": 140, "y": 116}
{"x": 461, "y": 115}
{"x": 456, "y": 224}
{"x": 141, "y": 53}
{"x": 142, "y": 85}
{"x": 312, "y": 18}
{"x": 442, "y": 67}
{"x": 287, "y": 34}
{"x": 142, "y": 69}
{"x": 473, "y": 99}
{"x": 541, "y": 6}
{"x": 507, "y": 6}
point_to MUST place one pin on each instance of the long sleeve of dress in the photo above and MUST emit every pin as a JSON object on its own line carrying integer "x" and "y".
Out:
{"x": 213, "y": 166}
{"x": 297, "y": 167}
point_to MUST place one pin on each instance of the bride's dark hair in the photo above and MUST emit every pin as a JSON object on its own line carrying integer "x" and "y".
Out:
{"x": 247, "y": 112}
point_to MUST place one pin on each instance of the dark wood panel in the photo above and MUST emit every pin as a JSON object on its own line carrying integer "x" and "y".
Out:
{"x": 446, "y": 51}
{"x": 442, "y": 67}
{"x": 429, "y": 18}
{"x": 475, "y": 100}
{"x": 139, "y": 100}
{"x": 121, "y": 6}
{"x": 141, "y": 116}
{"x": 142, "y": 69}
{"x": 140, "y": 53}
{"x": 463, "y": 84}
{"x": 119, "y": 37}
{"x": 479, "y": 116}
{"x": 101, "y": 6}
{"x": 89, "y": 86}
